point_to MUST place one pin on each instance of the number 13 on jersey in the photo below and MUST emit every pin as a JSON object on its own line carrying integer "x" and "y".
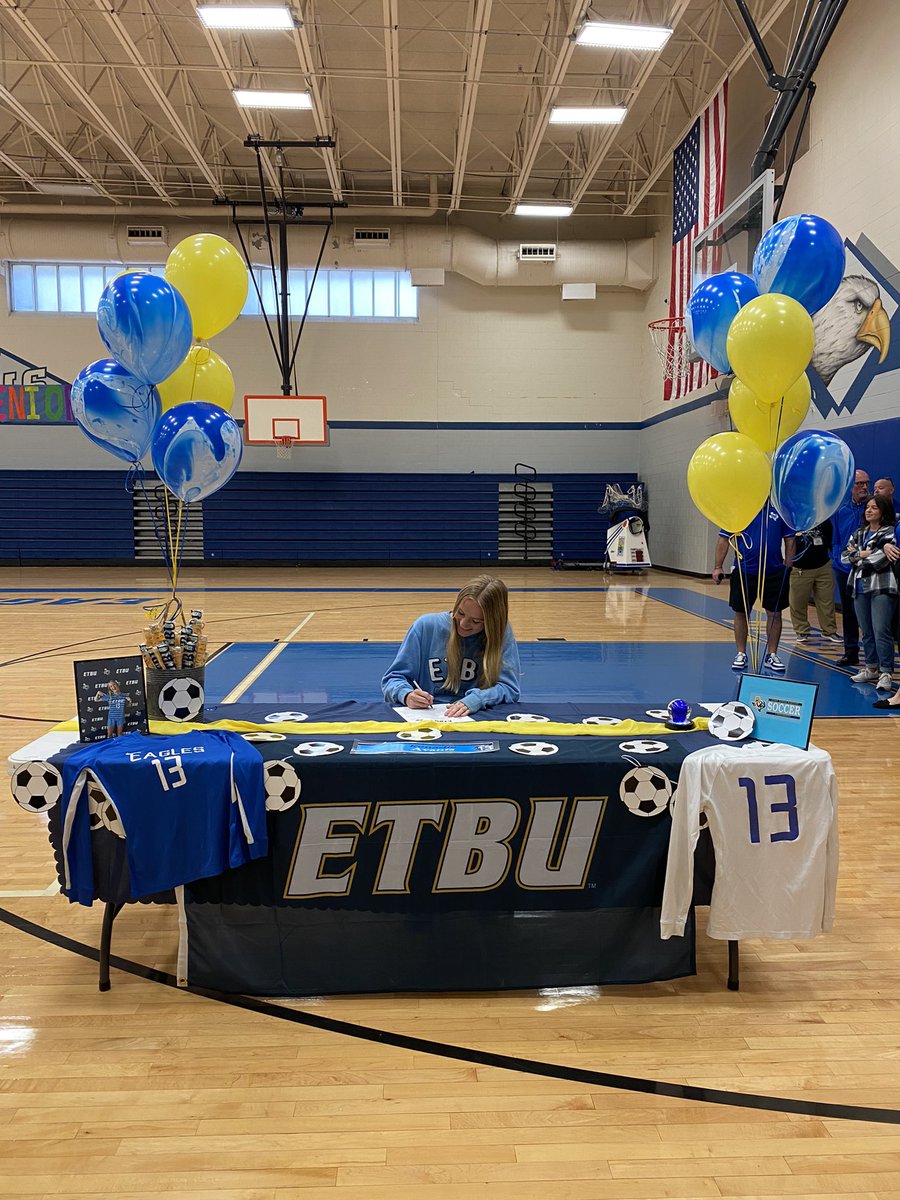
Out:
{"x": 788, "y": 806}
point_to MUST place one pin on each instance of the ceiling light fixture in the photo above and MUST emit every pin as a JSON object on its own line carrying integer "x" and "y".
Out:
{"x": 525, "y": 209}
{"x": 66, "y": 189}
{"x": 587, "y": 116}
{"x": 254, "y": 99}
{"x": 220, "y": 17}
{"x": 623, "y": 37}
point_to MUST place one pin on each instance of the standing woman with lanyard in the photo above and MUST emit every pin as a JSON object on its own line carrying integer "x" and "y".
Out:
{"x": 874, "y": 590}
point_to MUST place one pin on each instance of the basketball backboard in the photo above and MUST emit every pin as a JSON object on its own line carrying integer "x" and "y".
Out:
{"x": 297, "y": 420}
{"x": 728, "y": 244}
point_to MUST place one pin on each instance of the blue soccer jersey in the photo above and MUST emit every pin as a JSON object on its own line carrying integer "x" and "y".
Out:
{"x": 191, "y": 805}
{"x": 116, "y": 712}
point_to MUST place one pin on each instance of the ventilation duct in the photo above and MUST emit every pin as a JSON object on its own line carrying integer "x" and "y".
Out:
{"x": 608, "y": 264}
{"x": 537, "y": 252}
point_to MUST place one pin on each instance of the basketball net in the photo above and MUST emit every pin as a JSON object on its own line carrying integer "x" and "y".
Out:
{"x": 669, "y": 340}
{"x": 283, "y": 448}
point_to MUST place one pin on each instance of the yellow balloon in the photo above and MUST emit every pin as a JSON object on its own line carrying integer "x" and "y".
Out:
{"x": 769, "y": 424}
{"x": 213, "y": 279}
{"x": 769, "y": 345}
{"x": 729, "y": 479}
{"x": 202, "y": 376}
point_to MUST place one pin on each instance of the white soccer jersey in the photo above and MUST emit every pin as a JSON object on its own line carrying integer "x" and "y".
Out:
{"x": 772, "y": 814}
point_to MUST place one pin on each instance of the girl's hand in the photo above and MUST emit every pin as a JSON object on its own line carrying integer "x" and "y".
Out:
{"x": 418, "y": 698}
{"x": 456, "y": 709}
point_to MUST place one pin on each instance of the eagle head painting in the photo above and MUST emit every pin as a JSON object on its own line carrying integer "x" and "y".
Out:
{"x": 851, "y": 323}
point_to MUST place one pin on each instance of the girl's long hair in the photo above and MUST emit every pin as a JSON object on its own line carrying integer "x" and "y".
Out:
{"x": 491, "y": 595}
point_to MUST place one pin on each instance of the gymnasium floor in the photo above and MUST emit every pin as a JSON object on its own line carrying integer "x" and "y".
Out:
{"x": 789, "y": 1087}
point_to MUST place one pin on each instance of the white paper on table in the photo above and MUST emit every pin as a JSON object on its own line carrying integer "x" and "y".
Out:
{"x": 437, "y": 712}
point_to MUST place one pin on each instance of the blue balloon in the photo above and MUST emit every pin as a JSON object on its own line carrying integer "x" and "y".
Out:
{"x": 145, "y": 324}
{"x": 802, "y": 257}
{"x": 811, "y": 473}
{"x": 710, "y": 311}
{"x": 115, "y": 410}
{"x": 196, "y": 449}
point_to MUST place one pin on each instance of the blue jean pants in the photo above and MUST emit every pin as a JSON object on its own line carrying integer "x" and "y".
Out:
{"x": 875, "y": 614}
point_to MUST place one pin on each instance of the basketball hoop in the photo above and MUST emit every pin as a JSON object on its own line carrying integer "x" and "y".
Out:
{"x": 670, "y": 342}
{"x": 283, "y": 448}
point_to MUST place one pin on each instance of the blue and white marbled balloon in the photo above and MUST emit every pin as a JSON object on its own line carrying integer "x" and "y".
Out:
{"x": 196, "y": 449}
{"x": 116, "y": 410}
{"x": 802, "y": 257}
{"x": 811, "y": 474}
{"x": 712, "y": 307}
{"x": 145, "y": 325}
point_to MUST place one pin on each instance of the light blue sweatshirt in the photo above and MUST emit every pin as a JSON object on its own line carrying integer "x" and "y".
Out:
{"x": 423, "y": 658}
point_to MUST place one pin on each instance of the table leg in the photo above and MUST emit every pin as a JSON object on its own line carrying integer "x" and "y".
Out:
{"x": 734, "y": 966}
{"x": 110, "y": 912}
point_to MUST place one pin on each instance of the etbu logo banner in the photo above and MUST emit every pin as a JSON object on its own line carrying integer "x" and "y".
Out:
{"x": 32, "y": 395}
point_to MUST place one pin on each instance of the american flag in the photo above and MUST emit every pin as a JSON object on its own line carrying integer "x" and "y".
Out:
{"x": 698, "y": 197}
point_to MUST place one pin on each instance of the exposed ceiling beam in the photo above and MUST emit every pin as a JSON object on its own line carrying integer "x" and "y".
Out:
{"x": 392, "y": 75}
{"x": 323, "y": 118}
{"x": 535, "y": 135}
{"x": 97, "y": 116}
{"x": 7, "y": 98}
{"x": 150, "y": 81}
{"x": 764, "y": 25}
{"x": 474, "y": 60}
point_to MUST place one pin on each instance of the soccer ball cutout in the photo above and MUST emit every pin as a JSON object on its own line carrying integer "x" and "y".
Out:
{"x": 317, "y": 749}
{"x": 262, "y": 736}
{"x": 282, "y": 785}
{"x": 526, "y": 717}
{"x": 36, "y": 786}
{"x": 703, "y": 823}
{"x": 602, "y": 721}
{"x": 646, "y": 791}
{"x": 109, "y": 815}
{"x": 96, "y": 799}
{"x": 643, "y": 746}
{"x": 732, "y": 722}
{"x": 419, "y": 735}
{"x": 535, "y": 748}
{"x": 181, "y": 699}
{"x": 659, "y": 714}
{"x": 286, "y": 716}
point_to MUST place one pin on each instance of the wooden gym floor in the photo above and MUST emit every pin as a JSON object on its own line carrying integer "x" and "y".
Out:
{"x": 146, "y": 1091}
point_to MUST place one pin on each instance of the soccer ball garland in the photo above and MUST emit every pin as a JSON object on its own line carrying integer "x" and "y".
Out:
{"x": 646, "y": 791}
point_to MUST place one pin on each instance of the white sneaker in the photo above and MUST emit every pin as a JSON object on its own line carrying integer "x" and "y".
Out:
{"x": 773, "y": 662}
{"x": 866, "y": 675}
{"x": 740, "y": 662}
{"x": 833, "y": 637}
{"x": 885, "y": 683}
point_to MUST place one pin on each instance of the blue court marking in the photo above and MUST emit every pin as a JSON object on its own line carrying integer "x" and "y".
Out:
{"x": 125, "y": 591}
{"x": 649, "y": 673}
{"x": 699, "y": 604}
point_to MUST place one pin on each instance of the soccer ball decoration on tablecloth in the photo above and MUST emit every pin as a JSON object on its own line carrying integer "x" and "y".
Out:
{"x": 526, "y": 717}
{"x": 285, "y": 716}
{"x": 264, "y": 736}
{"x": 181, "y": 699}
{"x": 96, "y": 799}
{"x": 601, "y": 721}
{"x": 646, "y": 791}
{"x": 538, "y": 749}
{"x": 36, "y": 786}
{"x": 282, "y": 785}
{"x": 732, "y": 722}
{"x": 643, "y": 746}
{"x": 317, "y": 749}
{"x": 419, "y": 735}
{"x": 109, "y": 815}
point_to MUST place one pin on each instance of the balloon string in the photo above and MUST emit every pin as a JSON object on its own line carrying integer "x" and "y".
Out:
{"x": 194, "y": 376}
{"x": 135, "y": 478}
{"x": 742, "y": 579}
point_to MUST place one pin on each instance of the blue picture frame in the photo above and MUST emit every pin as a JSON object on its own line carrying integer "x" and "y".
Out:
{"x": 783, "y": 708}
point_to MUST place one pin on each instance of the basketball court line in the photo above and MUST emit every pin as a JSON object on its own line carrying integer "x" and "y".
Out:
{"x": 249, "y": 679}
{"x": 485, "y": 1058}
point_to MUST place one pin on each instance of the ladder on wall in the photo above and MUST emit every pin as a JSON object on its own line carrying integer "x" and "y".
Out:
{"x": 151, "y": 499}
{"x": 525, "y": 519}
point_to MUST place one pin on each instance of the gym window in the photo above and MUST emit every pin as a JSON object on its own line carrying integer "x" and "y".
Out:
{"x": 336, "y": 295}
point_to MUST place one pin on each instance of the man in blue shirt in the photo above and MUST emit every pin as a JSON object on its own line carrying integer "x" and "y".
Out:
{"x": 759, "y": 550}
{"x": 846, "y": 521}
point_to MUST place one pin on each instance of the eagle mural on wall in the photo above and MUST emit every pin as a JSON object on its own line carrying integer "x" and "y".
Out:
{"x": 851, "y": 322}
{"x": 853, "y": 335}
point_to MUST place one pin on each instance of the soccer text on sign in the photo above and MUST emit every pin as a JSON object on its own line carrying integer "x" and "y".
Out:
{"x": 475, "y": 854}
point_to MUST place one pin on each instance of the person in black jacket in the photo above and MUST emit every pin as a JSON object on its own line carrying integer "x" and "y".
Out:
{"x": 812, "y": 577}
